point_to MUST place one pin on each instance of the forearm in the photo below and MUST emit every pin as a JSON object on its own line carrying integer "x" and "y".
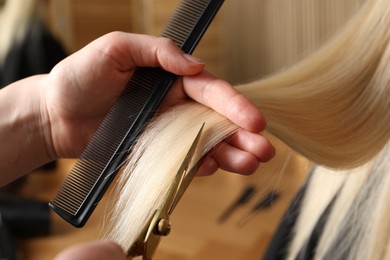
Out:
{"x": 22, "y": 138}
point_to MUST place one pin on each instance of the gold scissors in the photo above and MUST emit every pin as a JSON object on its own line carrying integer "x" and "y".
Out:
{"x": 159, "y": 224}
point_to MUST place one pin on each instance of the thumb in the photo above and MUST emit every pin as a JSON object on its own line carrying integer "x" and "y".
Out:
{"x": 136, "y": 50}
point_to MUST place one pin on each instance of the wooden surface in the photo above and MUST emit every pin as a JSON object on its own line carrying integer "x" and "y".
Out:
{"x": 196, "y": 234}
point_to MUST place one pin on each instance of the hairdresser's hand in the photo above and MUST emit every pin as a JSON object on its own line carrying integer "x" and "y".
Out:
{"x": 46, "y": 117}
{"x": 81, "y": 89}
{"x": 99, "y": 250}
{"x": 242, "y": 152}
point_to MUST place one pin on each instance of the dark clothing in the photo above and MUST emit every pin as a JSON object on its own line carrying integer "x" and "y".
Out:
{"x": 279, "y": 245}
{"x": 37, "y": 53}
{"x": 281, "y": 240}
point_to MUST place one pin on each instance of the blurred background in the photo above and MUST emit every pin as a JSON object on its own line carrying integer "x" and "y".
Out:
{"x": 247, "y": 40}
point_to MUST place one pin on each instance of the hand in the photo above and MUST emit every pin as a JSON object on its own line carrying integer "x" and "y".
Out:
{"x": 99, "y": 250}
{"x": 81, "y": 89}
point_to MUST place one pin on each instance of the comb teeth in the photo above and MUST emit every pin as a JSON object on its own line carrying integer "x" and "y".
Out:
{"x": 103, "y": 156}
{"x": 104, "y": 144}
{"x": 184, "y": 20}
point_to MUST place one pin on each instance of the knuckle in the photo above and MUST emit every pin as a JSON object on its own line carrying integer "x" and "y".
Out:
{"x": 166, "y": 42}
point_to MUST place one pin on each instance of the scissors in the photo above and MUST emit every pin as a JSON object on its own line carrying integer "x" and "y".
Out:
{"x": 159, "y": 224}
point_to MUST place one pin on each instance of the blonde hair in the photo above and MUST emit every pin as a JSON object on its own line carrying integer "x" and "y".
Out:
{"x": 325, "y": 107}
{"x": 357, "y": 226}
{"x": 332, "y": 107}
{"x": 15, "y": 17}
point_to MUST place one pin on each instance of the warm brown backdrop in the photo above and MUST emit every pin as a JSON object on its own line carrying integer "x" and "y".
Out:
{"x": 246, "y": 41}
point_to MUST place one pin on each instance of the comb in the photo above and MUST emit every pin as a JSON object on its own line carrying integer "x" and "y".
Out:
{"x": 100, "y": 161}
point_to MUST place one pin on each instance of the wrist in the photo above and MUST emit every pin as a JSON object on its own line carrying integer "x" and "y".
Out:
{"x": 24, "y": 129}
{"x": 43, "y": 119}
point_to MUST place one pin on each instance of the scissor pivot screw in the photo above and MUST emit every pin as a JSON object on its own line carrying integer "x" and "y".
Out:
{"x": 163, "y": 227}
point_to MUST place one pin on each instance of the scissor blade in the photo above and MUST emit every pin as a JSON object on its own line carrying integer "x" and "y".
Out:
{"x": 187, "y": 176}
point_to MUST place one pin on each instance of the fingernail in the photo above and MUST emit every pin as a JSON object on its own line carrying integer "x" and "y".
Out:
{"x": 193, "y": 59}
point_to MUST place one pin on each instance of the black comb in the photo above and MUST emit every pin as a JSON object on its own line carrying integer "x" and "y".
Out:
{"x": 103, "y": 156}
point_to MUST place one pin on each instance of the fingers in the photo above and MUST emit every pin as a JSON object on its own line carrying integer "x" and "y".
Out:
{"x": 99, "y": 250}
{"x": 208, "y": 167}
{"x": 246, "y": 149}
{"x": 232, "y": 159}
{"x": 253, "y": 143}
{"x": 223, "y": 98}
{"x": 242, "y": 153}
{"x": 135, "y": 50}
